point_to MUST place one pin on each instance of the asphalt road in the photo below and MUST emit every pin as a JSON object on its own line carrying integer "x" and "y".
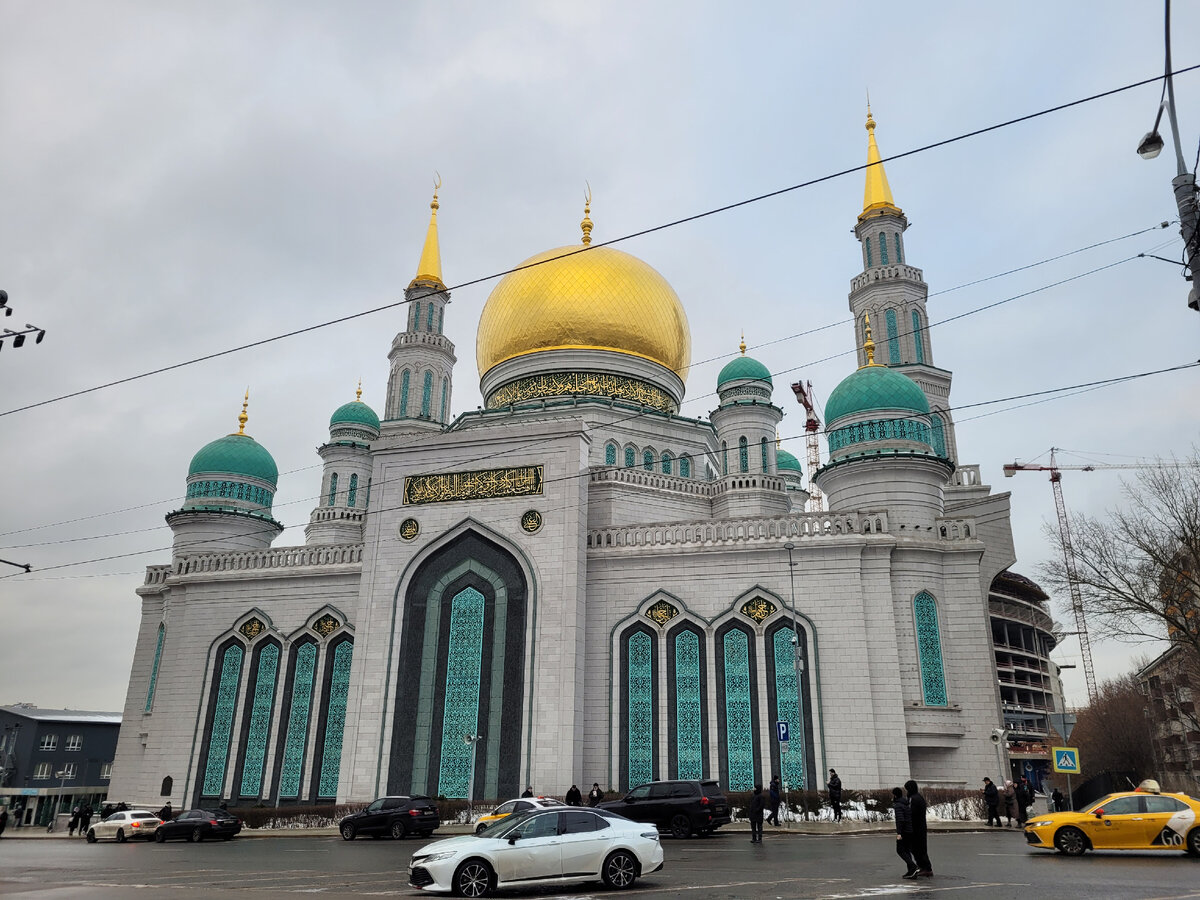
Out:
{"x": 994, "y": 865}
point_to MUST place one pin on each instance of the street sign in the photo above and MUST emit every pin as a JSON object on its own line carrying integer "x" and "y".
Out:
{"x": 1065, "y": 759}
{"x": 783, "y": 746}
{"x": 1063, "y": 723}
{"x": 781, "y": 729}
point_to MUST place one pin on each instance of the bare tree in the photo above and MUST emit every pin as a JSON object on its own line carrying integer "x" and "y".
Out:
{"x": 1114, "y": 733}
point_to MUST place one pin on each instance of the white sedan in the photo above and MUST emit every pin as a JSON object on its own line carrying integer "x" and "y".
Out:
{"x": 540, "y": 847}
{"x": 125, "y": 826}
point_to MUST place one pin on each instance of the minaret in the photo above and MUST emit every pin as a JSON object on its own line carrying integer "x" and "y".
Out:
{"x": 346, "y": 481}
{"x": 422, "y": 358}
{"x": 893, "y": 293}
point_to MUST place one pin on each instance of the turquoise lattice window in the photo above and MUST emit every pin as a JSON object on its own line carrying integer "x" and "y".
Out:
{"x": 765, "y": 463}
{"x": 743, "y": 454}
{"x": 335, "y": 720}
{"x": 445, "y": 397}
{"x": 260, "y": 721}
{"x": 332, "y": 488}
{"x": 610, "y": 455}
{"x": 877, "y": 430}
{"x": 404, "y": 393}
{"x": 739, "y": 722}
{"x": 685, "y": 467}
{"x": 367, "y": 505}
{"x": 788, "y": 706}
{"x": 648, "y": 460}
{"x": 917, "y": 339}
{"x": 666, "y": 463}
{"x": 429, "y": 318}
{"x": 222, "y": 722}
{"x": 883, "y": 257}
{"x": 158, "y": 648}
{"x": 892, "y": 340}
{"x": 441, "y": 313}
{"x": 929, "y": 650}
{"x": 899, "y": 252}
{"x": 641, "y": 708}
{"x": 689, "y": 736}
{"x": 867, "y": 244}
{"x": 630, "y": 458}
{"x": 297, "y": 726}
{"x": 426, "y": 394}
{"x": 461, "y": 715}
{"x": 352, "y": 494}
{"x": 938, "y": 429}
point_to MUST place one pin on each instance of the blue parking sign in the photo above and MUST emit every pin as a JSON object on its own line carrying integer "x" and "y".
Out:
{"x": 781, "y": 729}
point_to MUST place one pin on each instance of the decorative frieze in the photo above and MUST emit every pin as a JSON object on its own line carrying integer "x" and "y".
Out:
{"x": 594, "y": 384}
{"x": 485, "y": 484}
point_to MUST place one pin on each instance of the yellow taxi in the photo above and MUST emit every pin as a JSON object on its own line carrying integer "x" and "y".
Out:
{"x": 1143, "y": 819}
{"x": 509, "y": 807}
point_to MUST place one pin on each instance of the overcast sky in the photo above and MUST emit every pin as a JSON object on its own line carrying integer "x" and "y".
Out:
{"x": 177, "y": 179}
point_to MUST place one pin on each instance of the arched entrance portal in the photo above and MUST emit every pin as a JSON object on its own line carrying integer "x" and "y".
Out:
{"x": 461, "y": 672}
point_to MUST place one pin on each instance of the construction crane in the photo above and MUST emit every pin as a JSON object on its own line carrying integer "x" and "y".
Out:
{"x": 812, "y": 427}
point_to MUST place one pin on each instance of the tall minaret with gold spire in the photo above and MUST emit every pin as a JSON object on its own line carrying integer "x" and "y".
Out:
{"x": 422, "y": 357}
{"x": 893, "y": 293}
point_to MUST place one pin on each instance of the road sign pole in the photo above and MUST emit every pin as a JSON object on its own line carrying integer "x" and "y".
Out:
{"x": 1070, "y": 798}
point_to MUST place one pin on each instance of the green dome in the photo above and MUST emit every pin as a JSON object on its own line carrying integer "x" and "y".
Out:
{"x": 235, "y": 454}
{"x": 873, "y": 388}
{"x": 355, "y": 412}
{"x": 785, "y": 460}
{"x": 744, "y": 367}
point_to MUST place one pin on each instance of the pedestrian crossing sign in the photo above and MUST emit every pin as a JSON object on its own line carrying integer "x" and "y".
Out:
{"x": 1066, "y": 759}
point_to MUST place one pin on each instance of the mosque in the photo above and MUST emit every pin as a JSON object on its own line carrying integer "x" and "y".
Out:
{"x": 575, "y": 583}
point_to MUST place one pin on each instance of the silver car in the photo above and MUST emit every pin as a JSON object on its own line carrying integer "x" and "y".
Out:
{"x": 540, "y": 847}
{"x": 128, "y": 825}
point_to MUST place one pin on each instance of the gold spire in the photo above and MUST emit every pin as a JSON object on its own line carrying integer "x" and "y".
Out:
{"x": 742, "y": 345}
{"x": 429, "y": 269}
{"x": 877, "y": 197}
{"x": 358, "y": 393}
{"x": 242, "y": 417}
{"x": 586, "y": 224}
{"x": 868, "y": 344}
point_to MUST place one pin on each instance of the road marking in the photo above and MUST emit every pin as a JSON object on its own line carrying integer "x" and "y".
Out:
{"x": 923, "y": 888}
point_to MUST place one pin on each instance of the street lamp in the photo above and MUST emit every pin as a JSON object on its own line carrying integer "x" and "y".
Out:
{"x": 61, "y": 775}
{"x": 471, "y": 740}
{"x": 789, "y": 547}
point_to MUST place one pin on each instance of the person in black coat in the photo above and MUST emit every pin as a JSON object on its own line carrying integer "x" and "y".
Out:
{"x": 1058, "y": 800}
{"x": 991, "y": 798}
{"x": 903, "y": 815}
{"x": 1024, "y": 800}
{"x": 835, "y": 795}
{"x": 528, "y": 792}
{"x": 920, "y": 830}
{"x": 595, "y": 795}
{"x": 574, "y": 798}
{"x": 774, "y": 797}
{"x": 757, "y": 805}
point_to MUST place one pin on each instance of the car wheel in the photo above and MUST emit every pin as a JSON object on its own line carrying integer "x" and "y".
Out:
{"x": 1070, "y": 841}
{"x": 398, "y": 831}
{"x": 680, "y": 826}
{"x": 160, "y": 837}
{"x": 347, "y": 832}
{"x": 1193, "y": 842}
{"x": 481, "y": 828}
{"x": 120, "y": 835}
{"x": 619, "y": 870}
{"x": 196, "y": 836}
{"x": 91, "y": 836}
{"x": 473, "y": 879}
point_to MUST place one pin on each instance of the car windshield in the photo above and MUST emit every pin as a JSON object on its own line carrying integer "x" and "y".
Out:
{"x": 1099, "y": 803}
{"x": 513, "y": 823}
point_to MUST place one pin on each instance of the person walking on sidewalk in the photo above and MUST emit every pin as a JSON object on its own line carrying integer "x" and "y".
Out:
{"x": 85, "y": 819}
{"x": 1010, "y": 802}
{"x": 835, "y": 795}
{"x": 920, "y": 830}
{"x": 757, "y": 803}
{"x": 991, "y": 799}
{"x": 773, "y": 794}
{"x": 1024, "y": 792}
{"x": 903, "y": 814}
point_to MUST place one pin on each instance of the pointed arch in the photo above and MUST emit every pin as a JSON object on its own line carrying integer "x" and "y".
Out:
{"x": 610, "y": 454}
{"x": 685, "y": 466}
{"x": 737, "y": 706}
{"x": 937, "y": 429}
{"x": 158, "y": 649}
{"x": 883, "y": 248}
{"x": 426, "y": 392}
{"x": 893, "y": 342}
{"x": 648, "y": 459}
{"x": 639, "y": 705}
{"x": 404, "y": 394}
{"x": 218, "y": 729}
{"x": 929, "y": 650}
{"x": 918, "y": 340}
{"x": 294, "y": 717}
{"x": 352, "y": 494}
{"x": 258, "y": 709}
{"x": 899, "y": 250}
{"x": 336, "y": 687}
{"x": 743, "y": 454}
{"x": 333, "y": 488}
{"x": 687, "y": 682}
{"x": 630, "y": 456}
{"x": 867, "y": 244}
{"x": 445, "y": 396}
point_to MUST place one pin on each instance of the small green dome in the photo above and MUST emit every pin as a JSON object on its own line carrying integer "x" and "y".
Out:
{"x": 354, "y": 413}
{"x": 235, "y": 454}
{"x": 744, "y": 367}
{"x": 872, "y": 388}
{"x": 785, "y": 460}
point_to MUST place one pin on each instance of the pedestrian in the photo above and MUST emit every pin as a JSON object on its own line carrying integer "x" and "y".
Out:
{"x": 991, "y": 797}
{"x": 85, "y": 821}
{"x": 903, "y": 814}
{"x": 3, "y": 819}
{"x": 595, "y": 795}
{"x": 757, "y": 803}
{"x": 1010, "y": 802}
{"x": 1057, "y": 804}
{"x": 773, "y": 796}
{"x": 165, "y": 813}
{"x": 74, "y": 823}
{"x": 528, "y": 792}
{"x": 574, "y": 798}
{"x": 920, "y": 830}
{"x": 835, "y": 795}
{"x": 1024, "y": 792}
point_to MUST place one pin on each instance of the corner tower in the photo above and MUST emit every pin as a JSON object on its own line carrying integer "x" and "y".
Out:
{"x": 893, "y": 293}
{"x": 422, "y": 358}
{"x": 346, "y": 482}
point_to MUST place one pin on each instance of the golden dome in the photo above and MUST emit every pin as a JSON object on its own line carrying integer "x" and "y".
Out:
{"x": 598, "y": 299}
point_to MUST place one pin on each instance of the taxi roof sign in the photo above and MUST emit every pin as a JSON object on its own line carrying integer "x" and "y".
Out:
{"x": 1065, "y": 759}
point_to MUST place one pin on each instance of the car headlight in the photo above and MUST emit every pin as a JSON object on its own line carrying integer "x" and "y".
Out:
{"x": 1042, "y": 824}
{"x": 433, "y": 857}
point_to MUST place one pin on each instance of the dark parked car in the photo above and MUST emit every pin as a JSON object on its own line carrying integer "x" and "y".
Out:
{"x": 396, "y": 816}
{"x": 680, "y": 807}
{"x": 200, "y": 824}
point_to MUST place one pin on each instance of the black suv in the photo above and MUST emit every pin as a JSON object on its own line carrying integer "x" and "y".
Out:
{"x": 397, "y": 816}
{"x": 680, "y": 807}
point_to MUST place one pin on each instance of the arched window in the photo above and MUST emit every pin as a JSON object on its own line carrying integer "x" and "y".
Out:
{"x": 883, "y": 256}
{"x": 158, "y": 648}
{"x": 929, "y": 650}
{"x": 689, "y": 704}
{"x": 463, "y": 660}
{"x": 335, "y": 719}
{"x": 666, "y": 463}
{"x": 938, "y": 429}
{"x": 414, "y": 313}
{"x": 738, "y": 707}
{"x": 168, "y": 786}
{"x": 743, "y": 454}
{"x": 648, "y": 460}
{"x": 867, "y": 244}
{"x": 724, "y": 458}
{"x": 788, "y": 703}
{"x": 765, "y": 463}
{"x": 332, "y": 488}
{"x": 899, "y": 252}
{"x": 445, "y": 397}
{"x": 630, "y": 458}
{"x": 685, "y": 467}
{"x": 429, "y": 318}
{"x": 426, "y": 393}
{"x": 299, "y": 707}
{"x": 441, "y": 312}
{"x": 610, "y": 454}
{"x": 260, "y": 721}
{"x": 404, "y": 394}
{"x": 352, "y": 494}
{"x": 918, "y": 341}
{"x": 224, "y": 702}
{"x": 893, "y": 343}
{"x": 640, "y": 707}
{"x": 367, "y": 504}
